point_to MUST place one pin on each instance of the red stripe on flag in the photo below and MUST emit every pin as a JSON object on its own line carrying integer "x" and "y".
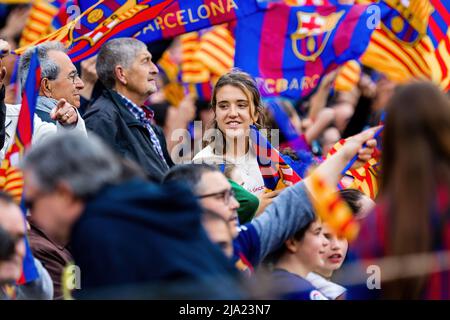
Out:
{"x": 442, "y": 65}
{"x": 220, "y": 17}
{"x": 435, "y": 30}
{"x": 393, "y": 54}
{"x": 442, "y": 11}
{"x": 273, "y": 32}
{"x": 346, "y": 28}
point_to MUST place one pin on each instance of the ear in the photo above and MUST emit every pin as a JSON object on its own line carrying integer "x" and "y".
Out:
{"x": 65, "y": 191}
{"x": 46, "y": 88}
{"x": 291, "y": 245}
{"x": 121, "y": 75}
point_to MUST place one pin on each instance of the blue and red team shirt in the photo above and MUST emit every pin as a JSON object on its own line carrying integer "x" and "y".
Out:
{"x": 246, "y": 249}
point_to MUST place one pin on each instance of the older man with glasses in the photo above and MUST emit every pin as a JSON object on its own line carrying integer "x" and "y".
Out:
{"x": 59, "y": 95}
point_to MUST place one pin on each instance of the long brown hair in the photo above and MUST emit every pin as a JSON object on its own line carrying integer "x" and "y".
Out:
{"x": 415, "y": 160}
{"x": 247, "y": 84}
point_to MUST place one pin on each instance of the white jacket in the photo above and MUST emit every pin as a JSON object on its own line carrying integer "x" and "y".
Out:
{"x": 41, "y": 130}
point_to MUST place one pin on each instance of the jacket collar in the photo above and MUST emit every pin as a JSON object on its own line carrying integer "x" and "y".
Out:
{"x": 126, "y": 115}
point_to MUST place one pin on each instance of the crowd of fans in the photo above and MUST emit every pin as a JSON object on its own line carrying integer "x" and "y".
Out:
{"x": 111, "y": 188}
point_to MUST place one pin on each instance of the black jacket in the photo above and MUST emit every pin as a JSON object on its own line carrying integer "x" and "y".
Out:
{"x": 109, "y": 118}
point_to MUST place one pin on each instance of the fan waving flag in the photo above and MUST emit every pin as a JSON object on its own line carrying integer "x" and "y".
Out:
{"x": 146, "y": 20}
{"x": 11, "y": 179}
{"x": 276, "y": 173}
{"x": 289, "y": 48}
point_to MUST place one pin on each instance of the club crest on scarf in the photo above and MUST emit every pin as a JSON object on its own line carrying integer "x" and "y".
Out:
{"x": 312, "y": 34}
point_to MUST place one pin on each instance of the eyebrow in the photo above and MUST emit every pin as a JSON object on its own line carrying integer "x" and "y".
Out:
{"x": 240, "y": 100}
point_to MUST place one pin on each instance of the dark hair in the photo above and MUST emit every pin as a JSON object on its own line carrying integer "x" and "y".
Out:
{"x": 191, "y": 174}
{"x": 415, "y": 160}
{"x": 6, "y": 198}
{"x": 352, "y": 197}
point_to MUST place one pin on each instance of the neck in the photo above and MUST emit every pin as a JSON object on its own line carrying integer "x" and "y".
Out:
{"x": 324, "y": 273}
{"x": 289, "y": 263}
{"x": 135, "y": 98}
{"x": 236, "y": 147}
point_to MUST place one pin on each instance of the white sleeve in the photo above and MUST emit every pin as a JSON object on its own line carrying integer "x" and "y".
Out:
{"x": 43, "y": 130}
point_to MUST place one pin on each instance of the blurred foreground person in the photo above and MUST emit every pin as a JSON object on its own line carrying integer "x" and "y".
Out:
{"x": 130, "y": 238}
{"x": 412, "y": 220}
{"x": 12, "y": 253}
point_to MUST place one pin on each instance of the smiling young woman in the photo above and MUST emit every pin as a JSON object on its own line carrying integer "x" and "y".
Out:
{"x": 236, "y": 103}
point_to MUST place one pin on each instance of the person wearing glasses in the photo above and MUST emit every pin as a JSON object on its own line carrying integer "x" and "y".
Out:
{"x": 58, "y": 97}
{"x": 288, "y": 213}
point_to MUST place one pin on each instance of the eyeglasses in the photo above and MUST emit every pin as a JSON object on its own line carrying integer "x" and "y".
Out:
{"x": 225, "y": 195}
{"x": 74, "y": 77}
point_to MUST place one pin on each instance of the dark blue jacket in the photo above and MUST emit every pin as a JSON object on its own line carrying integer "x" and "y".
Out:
{"x": 142, "y": 240}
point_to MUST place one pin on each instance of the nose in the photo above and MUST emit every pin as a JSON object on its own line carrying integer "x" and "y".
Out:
{"x": 325, "y": 241}
{"x": 20, "y": 248}
{"x": 153, "y": 68}
{"x": 234, "y": 204}
{"x": 233, "y": 111}
{"x": 334, "y": 245}
{"x": 79, "y": 84}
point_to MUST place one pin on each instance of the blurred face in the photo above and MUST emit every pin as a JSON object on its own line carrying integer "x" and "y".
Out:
{"x": 367, "y": 205}
{"x": 213, "y": 190}
{"x": 330, "y": 137}
{"x": 335, "y": 252}
{"x": 141, "y": 76}
{"x": 55, "y": 212}
{"x": 68, "y": 83}
{"x": 219, "y": 233}
{"x": 11, "y": 220}
{"x": 311, "y": 249}
{"x": 235, "y": 112}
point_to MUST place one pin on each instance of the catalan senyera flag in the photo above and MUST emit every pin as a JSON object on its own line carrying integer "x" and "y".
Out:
{"x": 192, "y": 69}
{"x": 276, "y": 173}
{"x": 365, "y": 179}
{"x": 173, "y": 90}
{"x": 348, "y": 76}
{"x": 11, "y": 179}
{"x": 216, "y": 50}
{"x": 39, "y": 20}
{"x": 289, "y": 48}
{"x": 206, "y": 55}
{"x": 331, "y": 209}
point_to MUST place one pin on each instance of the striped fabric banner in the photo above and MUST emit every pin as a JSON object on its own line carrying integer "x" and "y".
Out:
{"x": 348, "y": 76}
{"x": 39, "y": 21}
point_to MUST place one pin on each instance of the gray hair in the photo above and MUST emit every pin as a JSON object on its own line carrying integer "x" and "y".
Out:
{"x": 121, "y": 51}
{"x": 49, "y": 69}
{"x": 85, "y": 164}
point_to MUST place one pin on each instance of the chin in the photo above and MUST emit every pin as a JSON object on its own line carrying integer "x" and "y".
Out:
{"x": 235, "y": 132}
